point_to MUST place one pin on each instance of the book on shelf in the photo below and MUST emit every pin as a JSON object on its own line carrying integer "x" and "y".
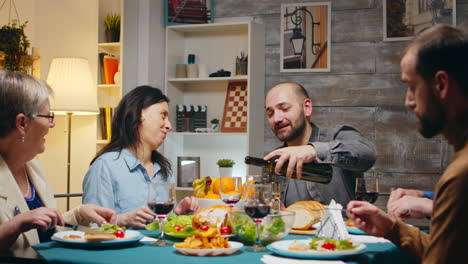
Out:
{"x": 105, "y": 120}
{"x": 110, "y": 65}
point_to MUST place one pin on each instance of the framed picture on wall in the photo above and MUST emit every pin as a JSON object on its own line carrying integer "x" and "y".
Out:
{"x": 403, "y": 19}
{"x": 305, "y": 37}
{"x": 178, "y": 12}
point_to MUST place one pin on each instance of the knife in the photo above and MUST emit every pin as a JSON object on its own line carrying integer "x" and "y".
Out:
{"x": 86, "y": 229}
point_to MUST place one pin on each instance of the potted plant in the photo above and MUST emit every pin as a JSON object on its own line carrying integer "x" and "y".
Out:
{"x": 112, "y": 23}
{"x": 14, "y": 46}
{"x": 225, "y": 167}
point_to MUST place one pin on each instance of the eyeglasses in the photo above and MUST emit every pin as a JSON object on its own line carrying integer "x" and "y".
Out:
{"x": 50, "y": 116}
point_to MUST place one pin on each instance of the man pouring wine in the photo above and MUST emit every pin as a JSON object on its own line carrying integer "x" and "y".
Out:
{"x": 288, "y": 109}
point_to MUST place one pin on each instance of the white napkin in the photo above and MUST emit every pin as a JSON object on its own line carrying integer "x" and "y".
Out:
{"x": 368, "y": 239}
{"x": 269, "y": 259}
{"x": 147, "y": 239}
{"x": 332, "y": 224}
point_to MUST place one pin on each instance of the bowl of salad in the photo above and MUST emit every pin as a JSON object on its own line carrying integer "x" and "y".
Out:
{"x": 274, "y": 227}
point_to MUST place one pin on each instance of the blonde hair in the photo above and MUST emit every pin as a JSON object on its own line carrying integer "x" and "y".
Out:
{"x": 20, "y": 93}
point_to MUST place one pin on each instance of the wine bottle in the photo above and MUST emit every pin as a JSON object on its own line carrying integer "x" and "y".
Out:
{"x": 314, "y": 172}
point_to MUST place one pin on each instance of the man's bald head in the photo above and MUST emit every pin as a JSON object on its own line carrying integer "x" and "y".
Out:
{"x": 299, "y": 91}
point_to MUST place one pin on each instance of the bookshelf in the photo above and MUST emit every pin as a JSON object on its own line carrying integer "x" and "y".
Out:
{"x": 110, "y": 88}
{"x": 215, "y": 45}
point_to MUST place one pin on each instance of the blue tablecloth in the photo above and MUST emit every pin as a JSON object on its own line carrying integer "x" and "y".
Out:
{"x": 54, "y": 252}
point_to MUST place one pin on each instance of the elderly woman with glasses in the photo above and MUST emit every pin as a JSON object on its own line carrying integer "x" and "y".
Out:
{"x": 28, "y": 215}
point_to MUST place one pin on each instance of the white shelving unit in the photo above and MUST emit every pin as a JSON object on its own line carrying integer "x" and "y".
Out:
{"x": 217, "y": 46}
{"x": 109, "y": 94}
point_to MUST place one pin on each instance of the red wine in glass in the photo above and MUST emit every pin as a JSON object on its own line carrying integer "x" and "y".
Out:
{"x": 367, "y": 189}
{"x": 370, "y": 197}
{"x": 160, "y": 208}
{"x": 230, "y": 189}
{"x": 257, "y": 211}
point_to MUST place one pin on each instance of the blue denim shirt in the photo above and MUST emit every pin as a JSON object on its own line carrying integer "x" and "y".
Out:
{"x": 118, "y": 180}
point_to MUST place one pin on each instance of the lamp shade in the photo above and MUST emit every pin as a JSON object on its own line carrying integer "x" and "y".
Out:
{"x": 72, "y": 83}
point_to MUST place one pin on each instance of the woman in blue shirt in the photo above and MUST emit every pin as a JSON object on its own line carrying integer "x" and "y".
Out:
{"x": 120, "y": 172}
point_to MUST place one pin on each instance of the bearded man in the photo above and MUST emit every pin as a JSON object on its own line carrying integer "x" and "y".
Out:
{"x": 434, "y": 69}
{"x": 288, "y": 109}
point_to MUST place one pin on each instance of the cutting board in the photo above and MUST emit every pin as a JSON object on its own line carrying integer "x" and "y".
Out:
{"x": 310, "y": 232}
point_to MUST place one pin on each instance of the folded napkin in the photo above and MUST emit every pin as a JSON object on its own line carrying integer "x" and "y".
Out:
{"x": 368, "y": 239}
{"x": 270, "y": 259}
{"x": 147, "y": 239}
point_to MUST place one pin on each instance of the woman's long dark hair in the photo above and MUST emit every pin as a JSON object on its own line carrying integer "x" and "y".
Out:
{"x": 126, "y": 124}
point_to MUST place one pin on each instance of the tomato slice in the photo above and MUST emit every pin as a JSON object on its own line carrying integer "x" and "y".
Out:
{"x": 204, "y": 227}
{"x": 119, "y": 234}
{"x": 329, "y": 246}
{"x": 225, "y": 230}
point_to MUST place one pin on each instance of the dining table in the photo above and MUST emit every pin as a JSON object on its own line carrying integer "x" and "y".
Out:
{"x": 144, "y": 252}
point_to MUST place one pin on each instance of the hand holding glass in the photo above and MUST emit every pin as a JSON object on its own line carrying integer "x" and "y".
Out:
{"x": 161, "y": 199}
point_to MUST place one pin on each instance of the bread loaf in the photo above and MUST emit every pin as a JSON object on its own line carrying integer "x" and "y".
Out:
{"x": 216, "y": 215}
{"x": 99, "y": 237}
{"x": 307, "y": 214}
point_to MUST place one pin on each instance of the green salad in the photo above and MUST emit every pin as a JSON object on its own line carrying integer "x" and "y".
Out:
{"x": 326, "y": 244}
{"x": 243, "y": 226}
{"x": 179, "y": 225}
{"x": 110, "y": 228}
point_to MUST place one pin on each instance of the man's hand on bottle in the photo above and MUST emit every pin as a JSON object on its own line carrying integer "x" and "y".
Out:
{"x": 295, "y": 157}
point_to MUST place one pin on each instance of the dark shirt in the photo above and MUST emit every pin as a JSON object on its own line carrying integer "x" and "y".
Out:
{"x": 33, "y": 203}
{"x": 347, "y": 151}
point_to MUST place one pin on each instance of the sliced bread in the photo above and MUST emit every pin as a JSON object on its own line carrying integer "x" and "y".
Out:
{"x": 307, "y": 214}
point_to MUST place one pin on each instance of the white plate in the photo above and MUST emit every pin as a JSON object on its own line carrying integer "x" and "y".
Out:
{"x": 235, "y": 246}
{"x": 131, "y": 237}
{"x": 282, "y": 248}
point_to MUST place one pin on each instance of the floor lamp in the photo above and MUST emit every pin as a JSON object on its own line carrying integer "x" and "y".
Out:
{"x": 74, "y": 94}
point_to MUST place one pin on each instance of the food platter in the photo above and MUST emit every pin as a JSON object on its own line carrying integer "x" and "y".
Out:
{"x": 235, "y": 246}
{"x": 131, "y": 237}
{"x": 282, "y": 248}
{"x": 183, "y": 236}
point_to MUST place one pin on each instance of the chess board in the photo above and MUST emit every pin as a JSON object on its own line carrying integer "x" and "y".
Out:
{"x": 235, "y": 108}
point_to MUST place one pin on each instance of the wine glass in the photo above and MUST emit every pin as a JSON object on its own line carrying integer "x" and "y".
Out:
{"x": 257, "y": 205}
{"x": 367, "y": 189}
{"x": 230, "y": 189}
{"x": 276, "y": 202}
{"x": 161, "y": 199}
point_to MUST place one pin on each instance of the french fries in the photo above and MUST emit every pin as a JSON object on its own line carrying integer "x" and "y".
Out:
{"x": 205, "y": 239}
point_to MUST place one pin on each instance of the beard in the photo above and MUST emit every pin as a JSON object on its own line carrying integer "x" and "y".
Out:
{"x": 295, "y": 131}
{"x": 431, "y": 126}
{"x": 433, "y": 120}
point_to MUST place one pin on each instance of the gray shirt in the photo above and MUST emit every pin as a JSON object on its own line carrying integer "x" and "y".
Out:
{"x": 347, "y": 151}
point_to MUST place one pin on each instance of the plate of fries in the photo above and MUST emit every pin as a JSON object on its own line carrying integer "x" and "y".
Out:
{"x": 207, "y": 243}
{"x": 233, "y": 247}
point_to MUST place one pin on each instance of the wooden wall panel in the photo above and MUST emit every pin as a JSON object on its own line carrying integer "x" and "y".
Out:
{"x": 388, "y": 56}
{"x": 229, "y": 8}
{"x": 351, "y": 89}
{"x": 356, "y": 25}
{"x": 400, "y": 148}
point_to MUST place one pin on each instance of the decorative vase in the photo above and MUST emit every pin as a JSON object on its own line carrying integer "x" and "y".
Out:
{"x": 225, "y": 171}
